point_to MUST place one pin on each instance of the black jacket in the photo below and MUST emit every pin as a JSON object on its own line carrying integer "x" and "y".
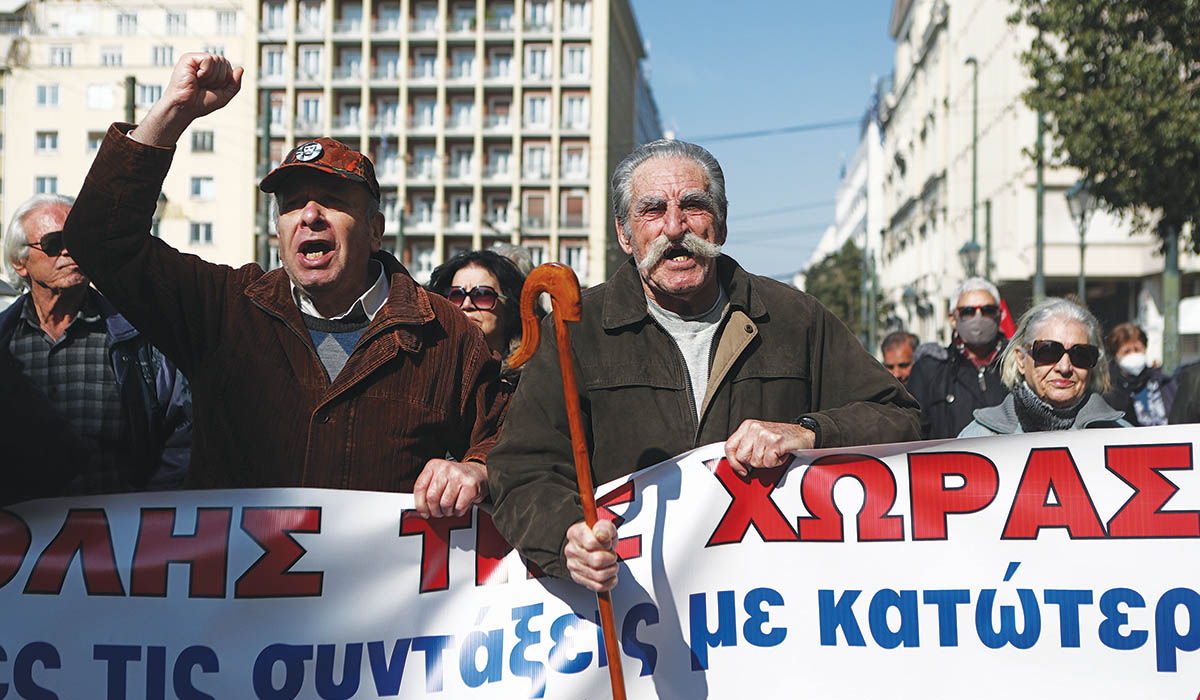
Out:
{"x": 949, "y": 389}
{"x": 1186, "y": 408}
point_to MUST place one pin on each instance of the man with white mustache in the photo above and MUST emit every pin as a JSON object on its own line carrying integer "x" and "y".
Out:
{"x": 679, "y": 349}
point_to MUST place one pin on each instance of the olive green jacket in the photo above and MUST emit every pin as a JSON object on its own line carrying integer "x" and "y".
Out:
{"x": 779, "y": 356}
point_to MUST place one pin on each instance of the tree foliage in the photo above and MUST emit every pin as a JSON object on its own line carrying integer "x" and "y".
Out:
{"x": 836, "y": 280}
{"x": 1118, "y": 81}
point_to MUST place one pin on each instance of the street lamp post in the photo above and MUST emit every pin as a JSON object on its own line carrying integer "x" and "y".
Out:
{"x": 1082, "y": 202}
{"x": 971, "y": 61}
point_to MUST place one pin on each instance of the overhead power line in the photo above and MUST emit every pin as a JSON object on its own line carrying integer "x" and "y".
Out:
{"x": 839, "y": 124}
{"x": 783, "y": 210}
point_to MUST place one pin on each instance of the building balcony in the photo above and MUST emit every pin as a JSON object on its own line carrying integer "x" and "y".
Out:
{"x": 463, "y": 125}
{"x": 388, "y": 174}
{"x": 538, "y": 28}
{"x": 386, "y": 72}
{"x": 576, "y": 31}
{"x": 462, "y": 77}
{"x": 305, "y": 30}
{"x": 461, "y": 27}
{"x": 576, "y": 222}
{"x": 497, "y": 173}
{"x": 304, "y": 75}
{"x": 460, "y": 175}
{"x": 422, "y": 77}
{"x": 535, "y": 174}
{"x": 414, "y": 224}
{"x": 385, "y": 125}
{"x": 387, "y": 28}
{"x": 498, "y": 77}
{"x": 418, "y": 174}
{"x": 580, "y": 126}
{"x": 307, "y": 126}
{"x": 272, "y": 80}
{"x": 420, "y": 126}
{"x": 534, "y": 223}
{"x": 426, "y": 30}
{"x": 272, "y": 32}
{"x": 347, "y": 28}
{"x": 574, "y": 176}
{"x": 347, "y": 74}
{"x": 499, "y": 25}
{"x": 493, "y": 123}
{"x": 347, "y": 122}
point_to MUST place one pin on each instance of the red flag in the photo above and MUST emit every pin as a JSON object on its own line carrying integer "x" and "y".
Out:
{"x": 1007, "y": 327}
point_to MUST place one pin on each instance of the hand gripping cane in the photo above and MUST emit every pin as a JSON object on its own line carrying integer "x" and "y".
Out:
{"x": 560, "y": 283}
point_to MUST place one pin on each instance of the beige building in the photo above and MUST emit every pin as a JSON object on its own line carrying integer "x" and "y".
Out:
{"x": 65, "y": 82}
{"x": 487, "y": 120}
{"x": 927, "y": 121}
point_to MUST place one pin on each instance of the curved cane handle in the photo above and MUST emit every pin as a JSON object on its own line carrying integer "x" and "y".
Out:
{"x": 560, "y": 282}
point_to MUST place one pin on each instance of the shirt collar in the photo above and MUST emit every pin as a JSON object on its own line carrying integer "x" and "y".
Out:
{"x": 370, "y": 302}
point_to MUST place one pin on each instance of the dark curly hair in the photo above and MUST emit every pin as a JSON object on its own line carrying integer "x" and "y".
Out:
{"x": 506, "y": 272}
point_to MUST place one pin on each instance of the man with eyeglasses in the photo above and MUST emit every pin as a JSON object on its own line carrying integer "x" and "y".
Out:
{"x": 965, "y": 375}
{"x": 336, "y": 371}
{"x": 104, "y": 395}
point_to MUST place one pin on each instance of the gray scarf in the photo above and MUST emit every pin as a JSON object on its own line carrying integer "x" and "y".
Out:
{"x": 1036, "y": 415}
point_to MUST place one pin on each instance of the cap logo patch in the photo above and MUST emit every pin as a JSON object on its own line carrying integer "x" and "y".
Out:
{"x": 308, "y": 152}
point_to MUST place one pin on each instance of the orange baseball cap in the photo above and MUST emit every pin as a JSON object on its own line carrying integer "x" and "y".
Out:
{"x": 327, "y": 155}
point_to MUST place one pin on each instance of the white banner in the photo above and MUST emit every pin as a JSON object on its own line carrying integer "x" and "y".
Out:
{"x": 1046, "y": 565}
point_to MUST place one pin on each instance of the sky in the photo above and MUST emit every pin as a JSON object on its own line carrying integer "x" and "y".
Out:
{"x": 719, "y": 67}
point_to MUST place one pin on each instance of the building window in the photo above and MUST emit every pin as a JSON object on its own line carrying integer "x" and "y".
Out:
{"x": 423, "y": 210}
{"x": 203, "y": 187}
{"x": 499, "y": 63}
{"x": 463, "y": 19}
{"x": 94, "y": 138}
{"x": 47, "y": 95}
{"x": 462, "y": 63}
{"x": 574, "y": 160}
{"x": 576, "y": 61}
{"x": 461, "y": 161}
{"x": 45, "y": 184}
{"x": 310, "y": 18}
{"x": 499, "y": 109}
{"x": 574, "y": 210}
{"x": 497, "y": 213}
{"x": 499, "y": 161}
{"x": 163, "y": 55}
{"x": 272, "y": 62}
{"x": 576, "y": 15}
{"x": 200, "y": 232}
{"x": 499, "y": 17}
{"x": 425, "y": 18}
{"x": 460, "y": 210}
{"x": 537, "y": 160}
{"x": 424, "y": 64}
{"x": 215, "y": 49}
{"x": 111, "y": 56}
{"x": 310, "y": 111}
{"x": 575, "y": 256}
{"x": 537, "y": 14}
{"x": 100, "y": 96}
{"x": 272, "y": 13}
{"x": 310, "y": 63}
{"x": 176, "y": 23}
{"x": 422, "y": 262}
{"x": 60, "y": 56}
{"x": 537, "y": 62}
{"x": 423, "y": 163}
{"x": 226, "y": 21}
{"x": 202, "y": 142}
{"x": 46, "y": 142}
{"x": 534, "y": 212}
{"x": 537, "y": 111}
{"x": 462, "y": 114}
{"x": 147, "y": 95}
{"x": 127, "y": 23}
{"x": 424, "y": 112}
{"x": 575, "y": 112}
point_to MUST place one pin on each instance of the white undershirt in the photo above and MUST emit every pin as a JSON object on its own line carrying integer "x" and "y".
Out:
{"x": 694, "y": 336}
{"x": 371, "y": 300}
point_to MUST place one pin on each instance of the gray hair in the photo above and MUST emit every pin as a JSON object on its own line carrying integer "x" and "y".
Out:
{"x": 16, "y": 240}
{"x": 974, "y": 284}
{"x": 622, "y": 179}
{"x": 1032, "y": 320}
{"x": 897, "y": 339}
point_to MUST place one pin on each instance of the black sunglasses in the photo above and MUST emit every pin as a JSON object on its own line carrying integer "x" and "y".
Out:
{"x": 989, "y": 310}
{"x": 1049, "y": 352}
{"x": 483, "y": 297}
{"x": 51, "y": 244}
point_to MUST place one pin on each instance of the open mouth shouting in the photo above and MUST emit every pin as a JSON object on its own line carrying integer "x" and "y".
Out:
{"x": 315, "y": 253}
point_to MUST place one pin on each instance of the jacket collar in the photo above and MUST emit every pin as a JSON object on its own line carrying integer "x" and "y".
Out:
{"x": 407, "y": 304}
{"x": 1002, "y": 418}
{"x": 119, "y": 329}
{"x": 625, "y": 300}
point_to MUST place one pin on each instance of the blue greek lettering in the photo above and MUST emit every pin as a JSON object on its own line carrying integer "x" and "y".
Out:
{"x": 1068, "y": 602}
{"x": 3, "y": 686}
{"x": 1007, "y": 634}
{"x": 30, "y": 654}
{"x": 947, "y": 602}
{"x": 492, "y": 642}
{"x": 535, "y": 671}
{"x": 563, "y": 643}
{"x": 116, "y": 658}
{"x": 433, "y": 646}
{"x": 839, "y": 614}
{"x": 201, "y": 657}
{"x": 635, "y": 648}
{"x": 701, "y": 638}
{"x": 1167, "y": 639}
{"x": 752, "y": 630}
{"x": 351, "y": 668}
{"x": 292, "y": 656}
{"x": 388, "y": 670}
{"x": 908, "y": 632}
{"x": 156, "y": 673}
{"x": 1115, "y": 619}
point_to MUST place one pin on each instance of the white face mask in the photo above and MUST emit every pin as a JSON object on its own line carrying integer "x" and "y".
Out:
{"x": 1133, "y": 364}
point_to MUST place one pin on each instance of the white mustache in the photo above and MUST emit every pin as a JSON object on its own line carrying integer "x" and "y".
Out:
{"x": 690, "y": 242}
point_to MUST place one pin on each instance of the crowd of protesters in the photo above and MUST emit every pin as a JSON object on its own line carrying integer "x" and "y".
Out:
{"x": 128, "y": 366}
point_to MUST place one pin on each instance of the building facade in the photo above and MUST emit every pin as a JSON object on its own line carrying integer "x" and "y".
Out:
{"x": 487, "y": 120}
{"x": 73, "y": 68}
{"x": 957, "y": 168}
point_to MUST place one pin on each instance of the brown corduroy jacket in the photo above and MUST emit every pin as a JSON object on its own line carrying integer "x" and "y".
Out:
{"x": 421, "y": 382}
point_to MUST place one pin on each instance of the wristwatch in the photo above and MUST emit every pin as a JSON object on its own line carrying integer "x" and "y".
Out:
{"x": 812, "y": 424}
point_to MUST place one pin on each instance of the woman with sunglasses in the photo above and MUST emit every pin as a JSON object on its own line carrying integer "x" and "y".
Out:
{"x": 1056, "y": 371}
{"x": 487, "y": 287}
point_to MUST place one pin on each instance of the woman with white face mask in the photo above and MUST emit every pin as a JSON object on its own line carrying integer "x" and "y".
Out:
{"x": 1139, "y": 388}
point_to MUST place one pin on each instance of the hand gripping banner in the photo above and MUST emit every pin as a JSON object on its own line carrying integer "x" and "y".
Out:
{"x": 1045, "y": 565}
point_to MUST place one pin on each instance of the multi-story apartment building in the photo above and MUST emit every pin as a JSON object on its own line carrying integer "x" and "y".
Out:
{"x": 66, "y": 79}
{"x": 934, "y": 126}
{"x": 487, "y": 120}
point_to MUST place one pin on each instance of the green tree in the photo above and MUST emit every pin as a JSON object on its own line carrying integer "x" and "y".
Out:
{"x": 1119, "y": 81}
{"x": 836, "y": 280}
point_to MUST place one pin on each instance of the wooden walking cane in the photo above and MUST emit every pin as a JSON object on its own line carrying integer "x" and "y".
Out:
{"x": 560, "y": 283}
